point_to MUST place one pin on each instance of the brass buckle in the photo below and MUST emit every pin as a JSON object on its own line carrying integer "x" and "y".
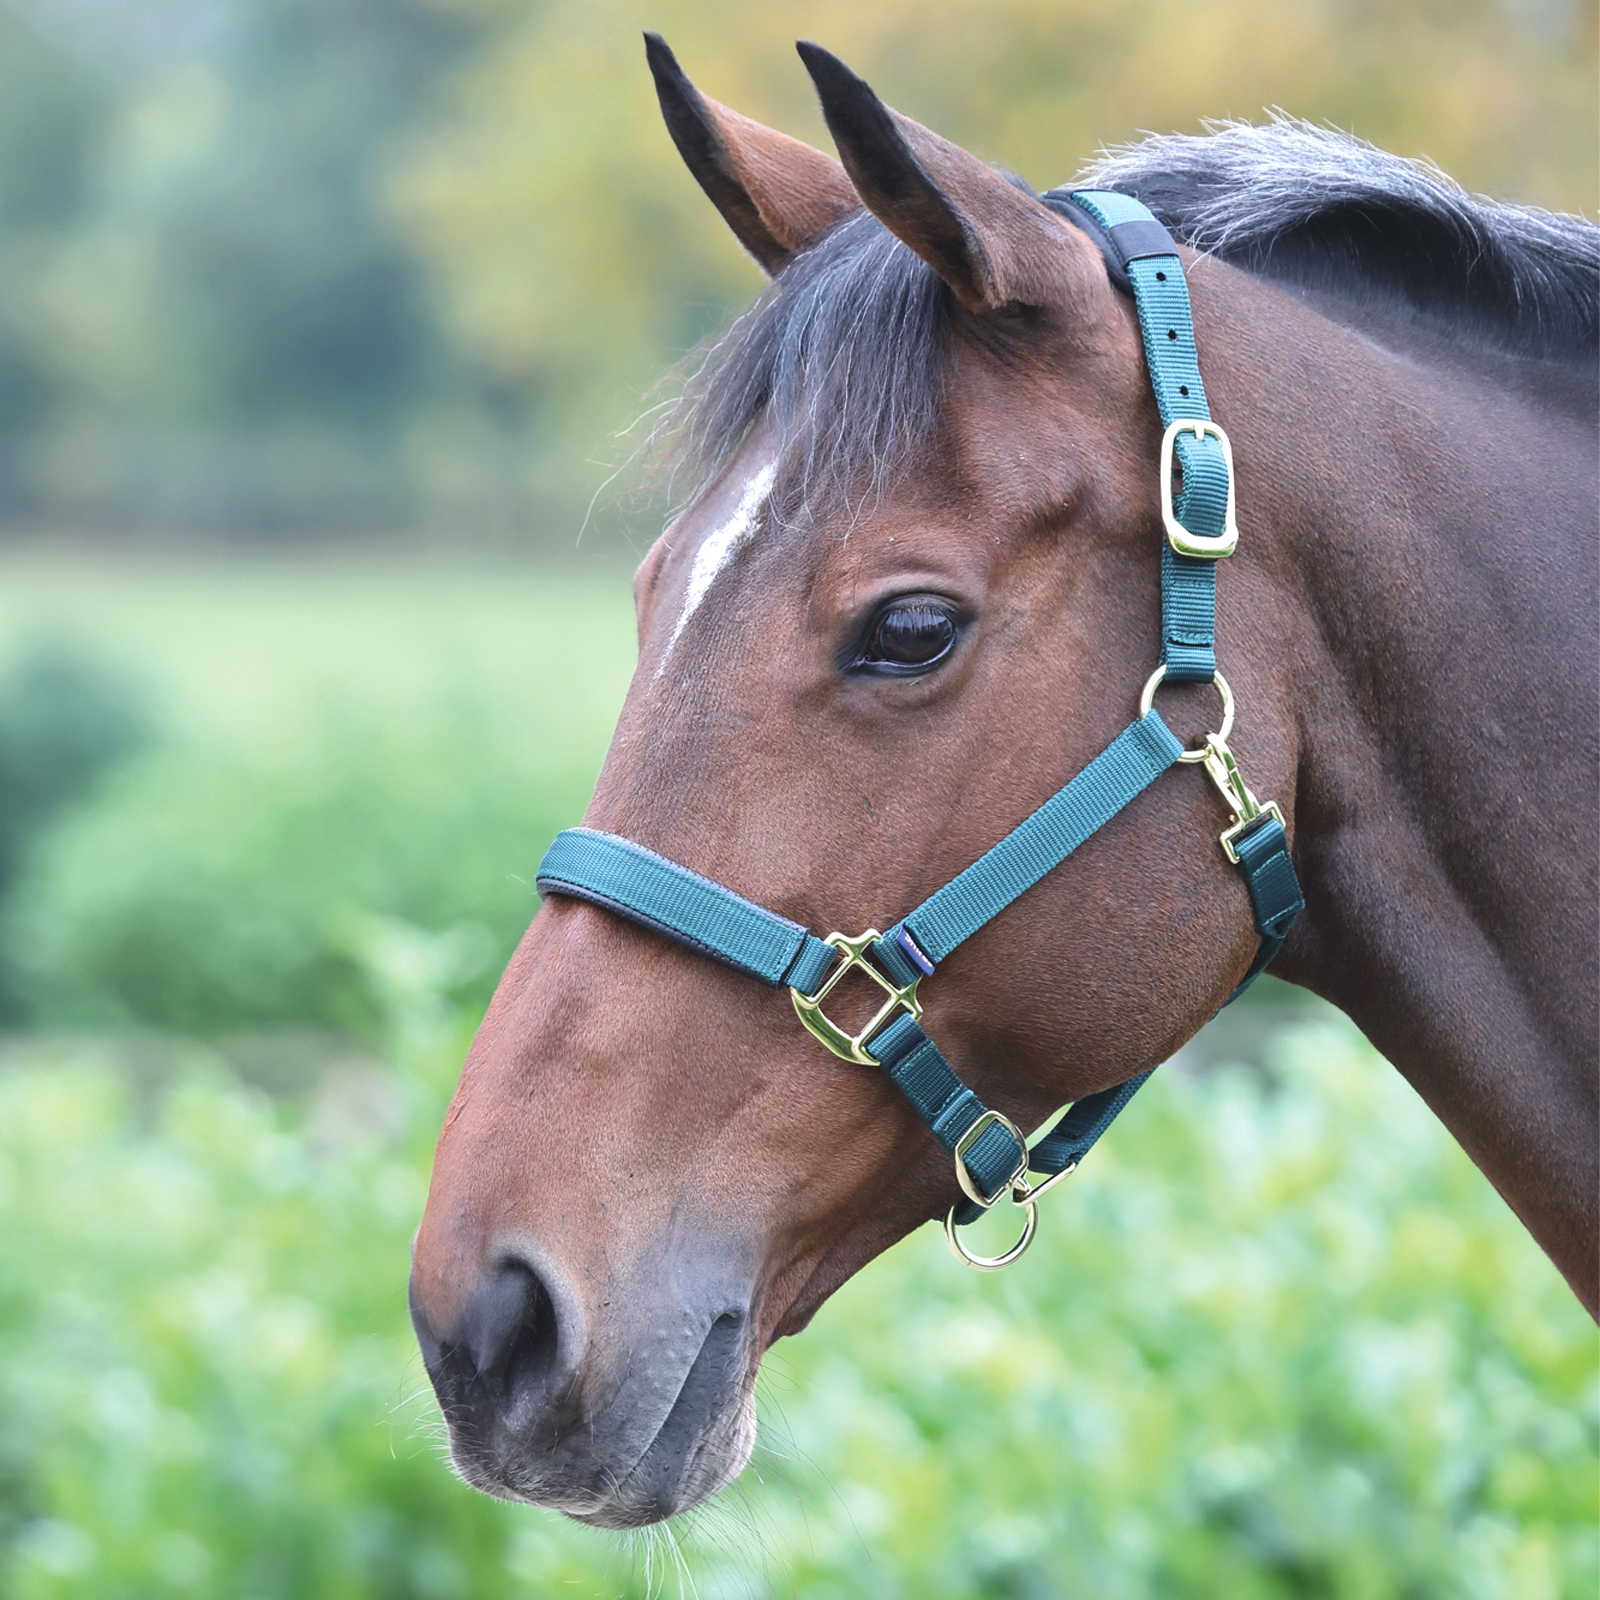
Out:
{"x": 1204, "y": 548}
{"x": 808, "y": 1007}
{"x": 990, "y": 1119}
{"x": 1224, "y": 772}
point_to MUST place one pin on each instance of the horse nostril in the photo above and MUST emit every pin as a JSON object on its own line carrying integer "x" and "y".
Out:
{"x": 509, "y": 1332}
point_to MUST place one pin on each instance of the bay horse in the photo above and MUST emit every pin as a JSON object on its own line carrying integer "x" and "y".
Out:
{"x": 913, "y": 595}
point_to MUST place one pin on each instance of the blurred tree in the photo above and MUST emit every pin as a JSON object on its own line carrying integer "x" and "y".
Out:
{"x": 51, "y": 113}
{"x": 577, "y": 256}
{"x": 326, "y": 262}
{"x": 210, "y": 317}
{"x": 65, "y": 720}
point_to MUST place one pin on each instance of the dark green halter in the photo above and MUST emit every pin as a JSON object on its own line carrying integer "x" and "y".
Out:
{"x": 992, "y": 1158}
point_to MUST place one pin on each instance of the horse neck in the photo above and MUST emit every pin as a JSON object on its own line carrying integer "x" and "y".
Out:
{"x": 1428, "y": 532}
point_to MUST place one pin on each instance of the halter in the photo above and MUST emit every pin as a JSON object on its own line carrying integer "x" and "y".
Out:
{"x": 992, "y": 1158}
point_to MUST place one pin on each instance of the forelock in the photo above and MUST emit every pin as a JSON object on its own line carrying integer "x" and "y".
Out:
{"x": 842, "y": 360}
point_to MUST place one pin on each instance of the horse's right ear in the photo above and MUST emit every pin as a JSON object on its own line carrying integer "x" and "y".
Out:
{"x": 777, "y": 194}
{"x": 992, "y": 242}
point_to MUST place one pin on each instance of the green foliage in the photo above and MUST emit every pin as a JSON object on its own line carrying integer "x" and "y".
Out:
{"x": 1278, "y": 1339}
{"x": 201, "y": 1403}
{"x": 64, "y": 720}
{"x": 206, "y": 894}
{"x": 227, "y": 881}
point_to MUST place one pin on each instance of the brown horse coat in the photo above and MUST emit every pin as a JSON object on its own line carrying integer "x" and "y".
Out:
{"x": 649, "y": 1172}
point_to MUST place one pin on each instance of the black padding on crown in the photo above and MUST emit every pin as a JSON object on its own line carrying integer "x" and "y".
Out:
{"x": 1136, "y": 240}
{"x": 1128, "y": 241}
{"x": 1060, "y": 202}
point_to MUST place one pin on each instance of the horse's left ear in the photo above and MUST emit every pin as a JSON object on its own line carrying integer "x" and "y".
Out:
{"x": 994, "y": 244}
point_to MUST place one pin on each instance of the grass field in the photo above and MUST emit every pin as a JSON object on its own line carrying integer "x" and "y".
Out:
{"x": 252, "y": 652}
{"x": 1279, "y": 1339}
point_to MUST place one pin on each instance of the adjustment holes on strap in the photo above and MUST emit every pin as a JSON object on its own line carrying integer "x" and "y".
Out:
{"x": 1183, "y": 389}
{"x": 1161, "y": 277}
{"x": 1172, "y": 333}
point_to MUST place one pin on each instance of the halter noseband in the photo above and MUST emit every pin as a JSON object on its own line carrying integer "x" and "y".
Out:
{"x": 992, "y": 1158}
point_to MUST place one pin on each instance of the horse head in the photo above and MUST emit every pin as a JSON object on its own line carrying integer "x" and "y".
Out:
{"x": 913, "y": 595}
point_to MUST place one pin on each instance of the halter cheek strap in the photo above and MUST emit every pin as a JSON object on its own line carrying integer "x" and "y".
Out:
{"x": 1206, "y": 530}
{"x": 992, "y": 1158}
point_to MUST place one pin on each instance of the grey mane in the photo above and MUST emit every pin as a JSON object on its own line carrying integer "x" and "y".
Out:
{"x": 842, "y": 358}
{"x": 1320, "y": 209}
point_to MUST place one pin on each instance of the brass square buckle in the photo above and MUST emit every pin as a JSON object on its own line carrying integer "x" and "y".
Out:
{"x": 1185, "y": 543}
{"x": 808, "y": 1007}
{"x": 1019, "y": 1177}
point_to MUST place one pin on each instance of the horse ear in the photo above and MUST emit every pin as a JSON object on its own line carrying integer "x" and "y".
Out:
{"x": 777, "y": 194}
{"x": 993, "y": 243}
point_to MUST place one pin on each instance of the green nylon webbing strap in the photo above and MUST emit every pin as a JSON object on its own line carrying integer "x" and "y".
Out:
{"x": 658, "y": 893}
{"x": 916, "y": 1067}
{"x": 647, "y": 888}
{"x": 1274, "y": 888}
{"x": 914, "y": 1064}
{"x": 1166, "y": 325}
{"x": 1041, "y": 842}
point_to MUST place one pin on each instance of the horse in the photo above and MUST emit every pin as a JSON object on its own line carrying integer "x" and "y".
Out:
{"x": 912, "y": 595}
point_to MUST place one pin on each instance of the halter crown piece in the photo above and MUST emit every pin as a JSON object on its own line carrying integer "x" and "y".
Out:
{"x": 992, "y": 1158}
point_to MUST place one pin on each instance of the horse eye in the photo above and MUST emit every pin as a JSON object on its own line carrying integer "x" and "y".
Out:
{"x": 910, "y": 635}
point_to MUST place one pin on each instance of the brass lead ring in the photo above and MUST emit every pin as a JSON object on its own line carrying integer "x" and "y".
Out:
{"x": 1147, "y": 698}
{"x": 1005, "y": 1258}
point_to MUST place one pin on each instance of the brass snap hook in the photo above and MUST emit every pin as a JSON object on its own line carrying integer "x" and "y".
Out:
{"x": 1224, "y": 772}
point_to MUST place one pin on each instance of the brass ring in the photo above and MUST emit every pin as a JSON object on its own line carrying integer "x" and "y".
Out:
{"x": 1005, "y": 1258}
{"x": 1147, "y": 697}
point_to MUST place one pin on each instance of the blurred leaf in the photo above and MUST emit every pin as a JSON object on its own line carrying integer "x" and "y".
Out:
{"x": 1278, "y": 1339}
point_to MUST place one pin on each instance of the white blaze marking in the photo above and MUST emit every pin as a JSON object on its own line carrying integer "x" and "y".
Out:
{"x": 717, "y": 549}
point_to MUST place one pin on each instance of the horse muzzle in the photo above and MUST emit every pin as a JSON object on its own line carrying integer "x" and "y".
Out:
{"x": 619, "y": 1414}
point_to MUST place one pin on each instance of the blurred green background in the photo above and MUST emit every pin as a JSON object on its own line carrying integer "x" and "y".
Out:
{"x": 321, "y": 325}
{"x": 332, "y": 266}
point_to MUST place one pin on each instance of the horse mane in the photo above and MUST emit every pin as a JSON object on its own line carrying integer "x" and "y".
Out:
{"x": 1323, "y": 210}
{"x": 843, "y": 356}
